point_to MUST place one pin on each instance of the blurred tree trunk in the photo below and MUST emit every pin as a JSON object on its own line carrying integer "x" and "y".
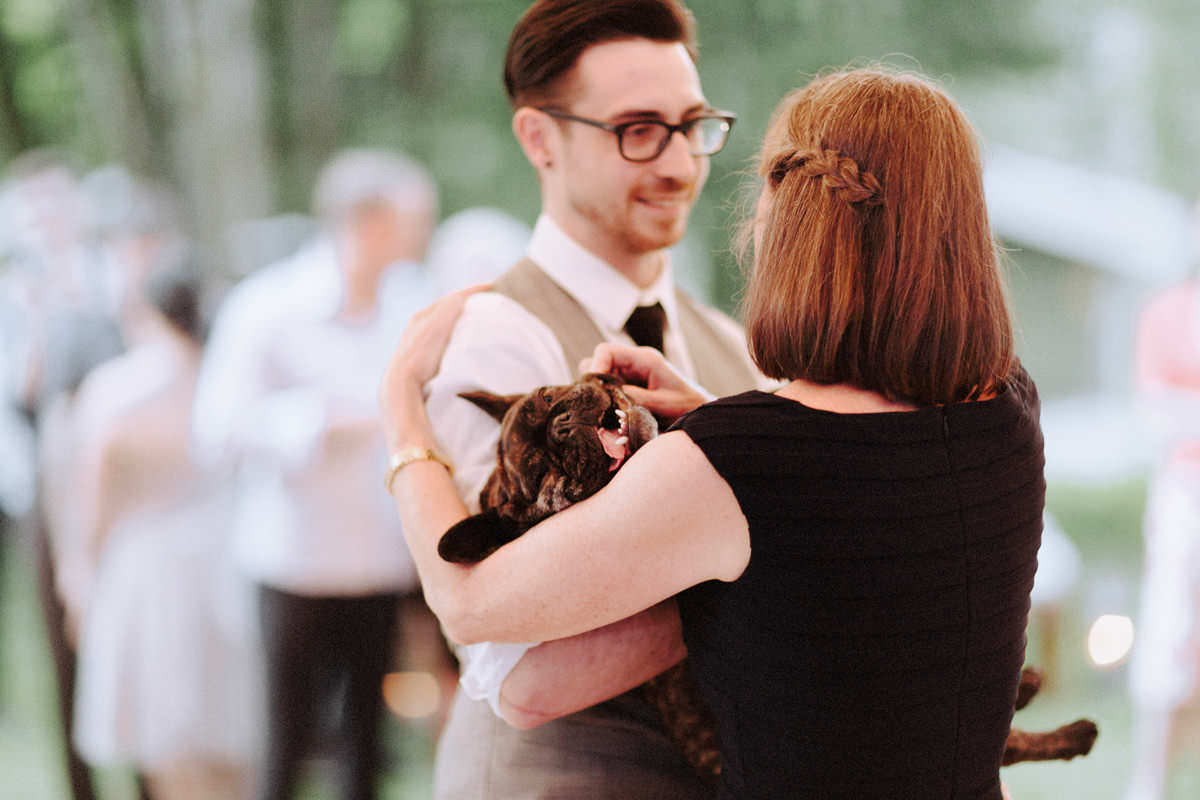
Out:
{"x": 205, "y": 69}
{"x": 415, "y": 60}
{"x": 114, "y": 104}
{"x": 14, "y": 137}
{"x": 305, "y": 104}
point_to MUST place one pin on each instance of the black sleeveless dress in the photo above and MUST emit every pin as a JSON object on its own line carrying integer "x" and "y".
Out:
{"x": 872, "y": 648}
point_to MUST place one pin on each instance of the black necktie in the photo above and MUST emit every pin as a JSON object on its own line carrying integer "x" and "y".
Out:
{"x": 645, "y": 325}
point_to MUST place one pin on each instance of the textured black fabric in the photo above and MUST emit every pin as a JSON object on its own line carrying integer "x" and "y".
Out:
{"x": 645, "y": 325}
{"x": 872, "y": 647}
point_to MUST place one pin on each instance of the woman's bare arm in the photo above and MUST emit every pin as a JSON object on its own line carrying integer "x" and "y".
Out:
{"x": 667, "y": 521}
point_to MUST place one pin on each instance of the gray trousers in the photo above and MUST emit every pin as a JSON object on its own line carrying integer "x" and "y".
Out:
{"x": 616, "y": 750}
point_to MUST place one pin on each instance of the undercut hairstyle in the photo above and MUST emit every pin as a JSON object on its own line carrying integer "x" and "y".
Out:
{"x": 551, "y": 35}
{"x": 875, "y": 263}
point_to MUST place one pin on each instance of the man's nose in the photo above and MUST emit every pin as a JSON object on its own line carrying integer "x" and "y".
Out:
{"x": 676, "y": 160}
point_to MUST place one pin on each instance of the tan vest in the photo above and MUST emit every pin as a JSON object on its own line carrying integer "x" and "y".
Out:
{"x": 617, "y": 750}
{"x": 722, "y": 366}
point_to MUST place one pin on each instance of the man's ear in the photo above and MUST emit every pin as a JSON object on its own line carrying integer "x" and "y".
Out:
{"x": 532, "y": 129}
{"x": 496, "y": 405}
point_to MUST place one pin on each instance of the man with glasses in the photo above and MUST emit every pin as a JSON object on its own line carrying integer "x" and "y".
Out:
{"x": 609, "y": 111}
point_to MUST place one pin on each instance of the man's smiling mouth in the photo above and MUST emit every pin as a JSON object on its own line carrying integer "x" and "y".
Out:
{"x": 665, "y": 202}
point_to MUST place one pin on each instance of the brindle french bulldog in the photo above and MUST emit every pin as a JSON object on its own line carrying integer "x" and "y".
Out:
{"x": 558, "y": 445}
{"x": 561, "y": 444}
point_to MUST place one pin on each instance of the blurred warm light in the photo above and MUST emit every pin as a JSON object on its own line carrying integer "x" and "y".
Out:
{"x": 1110, "y": 639}
{"x": 412, "y": 695}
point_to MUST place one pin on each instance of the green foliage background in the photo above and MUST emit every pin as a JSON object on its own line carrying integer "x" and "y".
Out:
{"x": 424, "y": 76}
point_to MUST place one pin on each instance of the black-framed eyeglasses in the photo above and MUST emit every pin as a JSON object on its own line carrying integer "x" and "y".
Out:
{"x": 645, "y": 139}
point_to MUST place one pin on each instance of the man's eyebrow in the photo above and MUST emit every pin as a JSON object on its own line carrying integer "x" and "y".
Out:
{"x": 651, "y": 113}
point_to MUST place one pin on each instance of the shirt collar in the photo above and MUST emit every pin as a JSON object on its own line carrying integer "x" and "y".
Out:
{"x": 607, "y": 295}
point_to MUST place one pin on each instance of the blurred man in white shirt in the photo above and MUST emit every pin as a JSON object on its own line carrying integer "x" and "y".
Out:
{"x": 288, "y": 393}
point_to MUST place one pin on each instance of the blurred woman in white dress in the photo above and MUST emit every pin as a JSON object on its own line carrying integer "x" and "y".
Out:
{"x": 165, "y": 678}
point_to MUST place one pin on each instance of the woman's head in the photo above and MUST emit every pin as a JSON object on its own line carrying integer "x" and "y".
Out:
{"x": 874, "y": 263}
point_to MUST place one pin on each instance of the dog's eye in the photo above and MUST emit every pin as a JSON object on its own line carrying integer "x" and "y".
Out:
{"x": 547, "y": 398}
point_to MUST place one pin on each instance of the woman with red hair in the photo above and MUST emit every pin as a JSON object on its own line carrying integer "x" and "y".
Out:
{"x": 852, "y": 555}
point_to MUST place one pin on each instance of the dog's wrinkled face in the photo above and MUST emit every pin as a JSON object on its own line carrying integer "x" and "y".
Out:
{"x": 558, "y": 445}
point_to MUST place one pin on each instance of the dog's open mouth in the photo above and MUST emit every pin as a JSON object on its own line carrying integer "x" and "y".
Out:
{"x": 614, "y": 436}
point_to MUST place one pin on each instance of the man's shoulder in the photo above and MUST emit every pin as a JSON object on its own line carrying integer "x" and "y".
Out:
{"x": 500, "y": 346}
{"x": 493, "y": 318}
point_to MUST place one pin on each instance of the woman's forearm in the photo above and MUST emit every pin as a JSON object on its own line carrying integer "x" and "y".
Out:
{"x": 426, "y": 499}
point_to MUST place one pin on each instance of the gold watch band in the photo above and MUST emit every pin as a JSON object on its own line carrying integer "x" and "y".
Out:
{"x": 410, "y": 455}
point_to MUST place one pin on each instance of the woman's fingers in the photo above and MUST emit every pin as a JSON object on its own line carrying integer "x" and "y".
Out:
{"x": 644, "y": 366}
{"x": 419, "y": 354}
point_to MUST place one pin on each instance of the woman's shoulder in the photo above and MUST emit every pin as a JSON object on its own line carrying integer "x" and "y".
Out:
{"x": 724, "y": 405}
{"x": 756, "y": 421}
{"x": 727, "y": 410}
{"x": 1015, "y": 402}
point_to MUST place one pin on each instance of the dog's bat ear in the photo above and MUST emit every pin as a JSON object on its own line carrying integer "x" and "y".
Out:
{"x": 476, "y": 538}
{"x": 496, "y": 405}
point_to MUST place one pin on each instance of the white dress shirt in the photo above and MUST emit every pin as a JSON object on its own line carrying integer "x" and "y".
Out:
{"x": 500, "y": 347}
{"x": 288, "y": 393}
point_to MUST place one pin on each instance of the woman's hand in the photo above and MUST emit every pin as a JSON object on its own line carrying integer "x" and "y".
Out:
{"x": 414, "y": 363}
{"x": 666, "y": 393}
{"x": 419, "y": 353}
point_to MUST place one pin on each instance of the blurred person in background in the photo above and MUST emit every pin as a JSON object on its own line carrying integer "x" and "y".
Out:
{"x": 50, "y": 269}
{"x": 1165, "y": 668}
{"x": 63, "y": 571}
{"x": 609, "y": 111}
{"x": 475, "y": 246}
{"x": 18, "y": 469}
{"x": 133, "y": 225}
{"x": 131, "y": 229}
{"x": 56, "y": 326}
{"x": 165, "y": 669}
{"x": 287, "y": 393}
{"x": 18, "y": 485}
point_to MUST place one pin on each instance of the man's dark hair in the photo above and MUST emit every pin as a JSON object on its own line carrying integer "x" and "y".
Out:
{"x": 552, "y": 34}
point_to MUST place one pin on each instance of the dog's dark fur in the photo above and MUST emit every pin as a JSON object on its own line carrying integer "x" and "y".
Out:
{"x": 550, "y": 456}
{"x": 1060, "y": 744}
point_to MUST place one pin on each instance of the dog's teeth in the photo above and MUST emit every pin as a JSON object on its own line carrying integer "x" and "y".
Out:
{"x": 621, "y": 414}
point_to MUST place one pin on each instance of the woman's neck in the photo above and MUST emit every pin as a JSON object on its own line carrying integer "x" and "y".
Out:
{"x": 841, "y": 398}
